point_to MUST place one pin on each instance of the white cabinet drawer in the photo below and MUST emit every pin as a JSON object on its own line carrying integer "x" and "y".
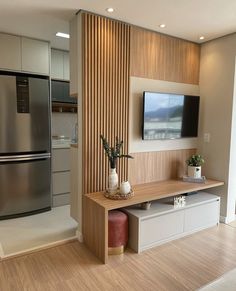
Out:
{"x": 61, "y": 182}
{"x": 62, "y": 199}
{"x": 60, "y": 160}
{"x": 156, "y": 229}
{"x": 201, "y": 216}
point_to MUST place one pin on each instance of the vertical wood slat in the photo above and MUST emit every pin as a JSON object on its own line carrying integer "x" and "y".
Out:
{"x": 106, "y": 67}
{"x": 149, "y": 167}
{"x": 162, "y": 57}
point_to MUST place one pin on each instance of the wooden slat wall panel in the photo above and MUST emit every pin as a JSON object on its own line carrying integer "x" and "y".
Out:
{"x": 161, "y": 57}
{"x": 157, "y": 166}
{"x": 106, "y": 71}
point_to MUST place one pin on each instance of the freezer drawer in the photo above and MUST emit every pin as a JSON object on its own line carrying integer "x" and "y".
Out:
{"x": 24, "y": 186}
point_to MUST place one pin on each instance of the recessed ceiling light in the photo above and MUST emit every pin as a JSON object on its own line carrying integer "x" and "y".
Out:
{"x": 162, "y": 25}
{"x": 62, "y": 34}
{"x": 201, "y": 37}
{"x": 110, "y": 10}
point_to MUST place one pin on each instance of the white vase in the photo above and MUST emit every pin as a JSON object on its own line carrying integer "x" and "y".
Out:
{"x": 194, "y": 172}
{"x": 113, "y": 180}
{"x": 125, "y": 187}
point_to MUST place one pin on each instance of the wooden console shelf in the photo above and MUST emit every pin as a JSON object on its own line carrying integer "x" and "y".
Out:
{"x": 96, "y": 207}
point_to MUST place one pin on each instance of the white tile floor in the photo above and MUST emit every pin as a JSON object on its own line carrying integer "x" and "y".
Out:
{"x": 26, "y": 233}
{"x": 225, "y": 283}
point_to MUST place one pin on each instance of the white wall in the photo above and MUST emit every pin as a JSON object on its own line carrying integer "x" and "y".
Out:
{"x": 137, "y": 86}
{"x": 76, "y": 70}
{"x": 63, "y": 124}
{"x": 216, "y": 89}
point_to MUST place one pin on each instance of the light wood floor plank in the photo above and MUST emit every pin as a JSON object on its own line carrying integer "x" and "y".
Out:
{"x": 184, "y": 264}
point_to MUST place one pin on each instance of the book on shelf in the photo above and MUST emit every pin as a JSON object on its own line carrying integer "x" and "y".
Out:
{"x": 194, "y": 180}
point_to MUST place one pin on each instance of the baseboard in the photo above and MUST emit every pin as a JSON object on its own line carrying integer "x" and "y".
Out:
{"x": 222, "y": 219}
{"x": 226, "y": 219}
{"x": 79, "y": 236}
{"x": 35, "y": 249}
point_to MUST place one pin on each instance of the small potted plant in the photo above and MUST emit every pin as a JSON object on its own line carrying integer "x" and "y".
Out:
{"x": 113, "y": 154}
{"x": 194, "y": 166}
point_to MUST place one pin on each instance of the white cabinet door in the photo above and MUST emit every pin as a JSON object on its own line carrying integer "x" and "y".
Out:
{"x": 35, "y": 56}
{"x": 66, "y": 66}
{"x": 57, "y": 64}
{"x": 156, "y": 229}
{"x": 201, "y": 216}
{"x": 10, "y": 52}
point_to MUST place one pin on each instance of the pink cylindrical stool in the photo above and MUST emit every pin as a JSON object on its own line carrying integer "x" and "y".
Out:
{"x": 117, "y": 232}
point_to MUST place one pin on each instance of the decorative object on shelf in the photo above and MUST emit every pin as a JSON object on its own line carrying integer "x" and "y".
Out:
{"x": 194, "y": 166}
{"x": 118, "y": 196}
{"x": 146, "y": 205}
{"x": 179, "y": 201}
{"x": 125, "y": 187}
{"x": 202, "y": 179}
{"x": 113, "y": 154}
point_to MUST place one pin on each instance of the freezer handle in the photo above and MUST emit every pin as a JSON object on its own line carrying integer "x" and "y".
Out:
{"x": 18, "y": 158}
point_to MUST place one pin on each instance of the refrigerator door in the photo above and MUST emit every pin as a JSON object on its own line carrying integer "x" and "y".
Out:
{"x": 25, "y": 186}
{"x": 24, "y": 114}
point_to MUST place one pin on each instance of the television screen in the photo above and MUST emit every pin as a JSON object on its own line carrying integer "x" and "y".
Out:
{"x": 169, "y": 116}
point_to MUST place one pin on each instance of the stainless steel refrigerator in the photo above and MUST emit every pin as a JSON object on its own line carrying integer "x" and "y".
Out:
{"x": 25, "y": 158}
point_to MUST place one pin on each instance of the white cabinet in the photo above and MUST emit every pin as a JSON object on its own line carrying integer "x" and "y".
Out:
{"x": 35, "y": 56}
{"x": 61, "y": 171}
{"x": 61, "y": 160}
{"x": 209, "y": 216}
{"x": 152, "y": 229}
{"x": 10, "y": 52}
{"x": 66, "y": 66}
{"x": 60, "y": 65}
{"x": 163, "y": 222}
{"x": 61, "y": 182}
{"x": 57, "y": 64}
{"x": 24, "y": 54}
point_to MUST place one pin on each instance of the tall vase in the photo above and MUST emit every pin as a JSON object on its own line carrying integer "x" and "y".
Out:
{"x": 113, "y": 180}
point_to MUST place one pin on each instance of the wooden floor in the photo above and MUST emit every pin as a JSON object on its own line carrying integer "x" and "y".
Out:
{"x": 185, "y": 264}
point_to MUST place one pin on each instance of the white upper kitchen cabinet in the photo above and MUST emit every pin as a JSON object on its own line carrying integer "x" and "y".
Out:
{"x": 66, "y": 66}
{"x": 10, "y": 52}
{"x": 57, "y": 64}
{"x": 60, "y": 65}
{"x": 35, "y": 56}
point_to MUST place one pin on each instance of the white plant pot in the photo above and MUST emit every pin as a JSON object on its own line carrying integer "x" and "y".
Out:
{"x": 194, "y": 172}
{"x": 113, "y": 180}
{"x": 125, "y": 188}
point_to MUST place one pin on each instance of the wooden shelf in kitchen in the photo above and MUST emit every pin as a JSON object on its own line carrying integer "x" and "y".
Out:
{"x": 64, "y": 107}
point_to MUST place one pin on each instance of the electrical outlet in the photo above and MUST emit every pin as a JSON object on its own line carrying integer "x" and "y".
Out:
{"x": 207, "y": 137}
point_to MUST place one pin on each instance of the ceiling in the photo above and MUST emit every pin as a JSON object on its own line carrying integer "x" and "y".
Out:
{"x": 188, "y": 19}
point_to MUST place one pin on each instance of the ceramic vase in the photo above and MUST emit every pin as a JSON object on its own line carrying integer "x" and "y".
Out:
{"x": 113, "y": 180}
{"x": 194, "y": 172}
{"x": 125, "y": 187}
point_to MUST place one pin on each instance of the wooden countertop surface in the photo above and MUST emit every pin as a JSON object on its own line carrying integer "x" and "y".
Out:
{"x": 153, "y": 191}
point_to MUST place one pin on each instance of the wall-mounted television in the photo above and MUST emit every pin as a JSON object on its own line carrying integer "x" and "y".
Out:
{"x": 169, "y": 116}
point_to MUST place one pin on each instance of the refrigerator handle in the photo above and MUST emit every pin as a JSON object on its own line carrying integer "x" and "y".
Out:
{"x": 17, "y": 158}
